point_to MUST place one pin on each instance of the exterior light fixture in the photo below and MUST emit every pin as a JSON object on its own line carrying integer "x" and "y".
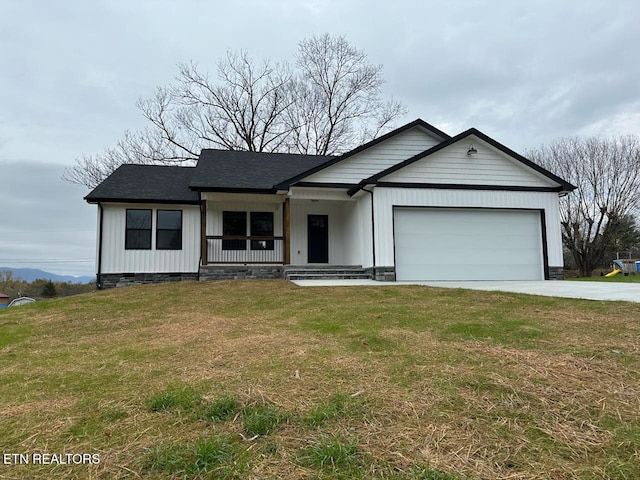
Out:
{"x": 471, "y": 151}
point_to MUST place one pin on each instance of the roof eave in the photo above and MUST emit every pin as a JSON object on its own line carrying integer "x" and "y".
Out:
{"x": 271, "y": 190}
{"x": 95, "y": 201}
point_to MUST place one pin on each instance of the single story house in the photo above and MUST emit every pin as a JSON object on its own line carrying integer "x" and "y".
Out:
{"x": 414, "y": 204}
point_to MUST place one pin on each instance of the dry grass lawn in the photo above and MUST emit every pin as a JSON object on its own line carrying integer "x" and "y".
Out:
{"x": 352, "y": 382}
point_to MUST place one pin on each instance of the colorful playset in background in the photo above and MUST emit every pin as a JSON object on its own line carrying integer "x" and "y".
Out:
{"x": 624, "y": 266}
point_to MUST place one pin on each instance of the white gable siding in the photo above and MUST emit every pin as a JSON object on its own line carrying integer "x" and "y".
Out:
{"x": 115, "y": 259}
{"x": 452, "y": 165}
{"x": 377, "y": 158}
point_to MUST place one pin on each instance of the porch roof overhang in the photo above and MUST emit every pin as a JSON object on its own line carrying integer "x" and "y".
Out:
{"x": 321, "y": 189}
{"x": 336, "y": 186}
{"x": 312, "y": 191}
{"x": 251, "y": 197}
{"x": 259, "y": 191}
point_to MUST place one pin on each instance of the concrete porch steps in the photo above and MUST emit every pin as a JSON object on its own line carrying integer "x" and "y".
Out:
{"x": 328, "y": 272}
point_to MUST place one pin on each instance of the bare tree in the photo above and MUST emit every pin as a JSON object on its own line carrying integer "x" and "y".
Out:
{"x": 333, "y": 104}
{"x": 163, "y": 142}
{"x": 338, "y": 97}
{"x": 148, "y": 146}
{"x": 607, "y": 174}
{"x": 244, "y": 111}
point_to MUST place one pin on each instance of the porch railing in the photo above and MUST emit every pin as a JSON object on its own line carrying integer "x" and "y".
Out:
{"x": 239, "y": 249}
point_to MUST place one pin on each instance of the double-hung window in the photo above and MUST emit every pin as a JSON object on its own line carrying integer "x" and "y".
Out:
{"x": 138, "y": 231}
{"x": 262, "y": 226}
{"x": 139, "y": 226}
{"x": 234, "y": 224}
{"x": 169, "y": 230}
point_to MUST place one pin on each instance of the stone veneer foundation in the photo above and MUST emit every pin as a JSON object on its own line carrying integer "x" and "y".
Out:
{"x": 209, "y": 272}
{"x": 112, "y": 280}
{"x": 382, "y": 274}
{"x": 556, "y": 273}
{"x": 235, "y": 272}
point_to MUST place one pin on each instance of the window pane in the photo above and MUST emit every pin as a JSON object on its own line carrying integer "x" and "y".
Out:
{"x": 138, "y": 239}
{"x": 234, "y": 223}
{"x": 261, "y": 244}
{"x": 169, "y": 219}
{"x": 139, "y": 219}
{"x": 138, "y": 229}
{"x": 317, "y": 221}
{"x": 169, "y": 240}
{"x": 262, "y": 226}
{"x": 169, "y": 230}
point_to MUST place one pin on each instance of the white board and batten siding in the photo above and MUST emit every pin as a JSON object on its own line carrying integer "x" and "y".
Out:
{"x": 357, "y": 246}
{"x": 386, "y": 200}
{"x": 376, "y": 158}
{"x": 349, "y": 229}
{"x": 116, "y": 259}
{"x": 452, "y": 165}
{"x": 466, "y": 233}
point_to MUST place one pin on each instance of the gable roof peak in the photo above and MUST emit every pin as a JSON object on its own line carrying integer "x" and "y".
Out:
{"x": 564, "y": 185}
{"x": 418, "y": 122}
{"x": 430, "y": 129}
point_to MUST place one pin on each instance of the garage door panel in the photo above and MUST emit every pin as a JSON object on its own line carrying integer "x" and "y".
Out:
{"x": 467, "y": 244}
{"x": 443, "y": 273}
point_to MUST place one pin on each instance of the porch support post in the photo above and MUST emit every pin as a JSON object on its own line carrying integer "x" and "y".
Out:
{"x": 203, "y": 233}
{"x": 286, "y": 224}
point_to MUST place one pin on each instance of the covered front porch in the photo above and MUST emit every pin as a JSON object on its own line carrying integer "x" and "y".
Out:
{"x": 301, "y": 227}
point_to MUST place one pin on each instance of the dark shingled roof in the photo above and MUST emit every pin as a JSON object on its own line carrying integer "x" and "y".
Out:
{"x": 217, "y": 170}
{"x": 146, "y": 183}
{"x": 225, "y": 170}
{"x": 258, "y": 172}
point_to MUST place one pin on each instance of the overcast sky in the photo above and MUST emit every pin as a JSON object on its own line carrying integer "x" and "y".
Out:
{"x": 71, "y": 71}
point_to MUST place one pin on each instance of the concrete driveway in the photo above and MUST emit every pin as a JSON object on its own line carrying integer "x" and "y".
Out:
{"x": 628, "y": 292}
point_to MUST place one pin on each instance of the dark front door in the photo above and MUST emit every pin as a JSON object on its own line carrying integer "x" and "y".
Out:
{"x": 318, "y": 238}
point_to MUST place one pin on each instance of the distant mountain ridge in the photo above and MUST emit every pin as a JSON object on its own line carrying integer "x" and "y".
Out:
{"x": 31, "y": 274}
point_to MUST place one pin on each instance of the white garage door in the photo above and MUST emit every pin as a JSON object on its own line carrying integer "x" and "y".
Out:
{"x": 467, "y": 244}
